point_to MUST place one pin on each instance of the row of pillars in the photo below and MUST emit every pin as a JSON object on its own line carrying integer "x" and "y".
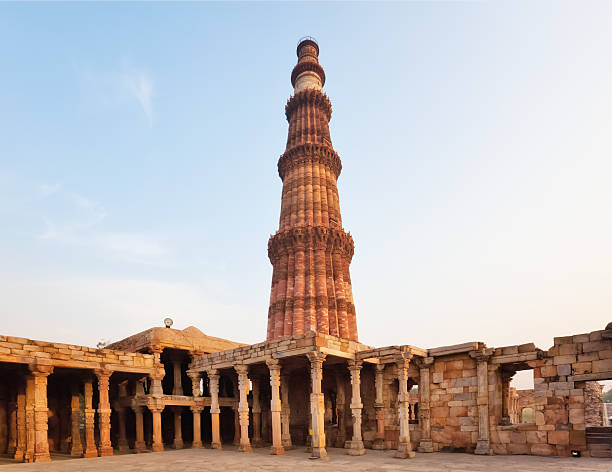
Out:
{"x": 28, "y": 425}
{"x": 281, "y": 437}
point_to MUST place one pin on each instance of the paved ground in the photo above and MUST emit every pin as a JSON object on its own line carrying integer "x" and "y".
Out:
{"x": 208, "y": 460}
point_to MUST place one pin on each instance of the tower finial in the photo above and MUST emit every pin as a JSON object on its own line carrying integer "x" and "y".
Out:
{"x": 307, "y": 73}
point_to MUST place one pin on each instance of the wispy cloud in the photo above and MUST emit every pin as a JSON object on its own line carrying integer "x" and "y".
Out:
{"x": 140, "y": 85}
{"x": 125, "y": 85}
{"x": 83, "y": 227}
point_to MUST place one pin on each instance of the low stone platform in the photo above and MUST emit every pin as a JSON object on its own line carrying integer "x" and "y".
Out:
{"x": 209, "y": 460}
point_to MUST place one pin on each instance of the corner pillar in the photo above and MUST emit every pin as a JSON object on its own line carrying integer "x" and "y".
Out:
{"x": 275, "y": 406}
{"x": 40, "y": 412}
{"x": 317, "y": 405}
{"x": 404, "y": 448}
{"x": 424, "y": 412}
{"x": 482, "y": 358}
{"x": 243, "y": 407}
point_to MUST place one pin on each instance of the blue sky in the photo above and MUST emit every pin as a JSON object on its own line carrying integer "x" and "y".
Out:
{"x": 138, "y": 150}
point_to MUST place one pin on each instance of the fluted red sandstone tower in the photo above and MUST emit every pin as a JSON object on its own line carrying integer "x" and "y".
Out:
{"x": 310, "y": 253}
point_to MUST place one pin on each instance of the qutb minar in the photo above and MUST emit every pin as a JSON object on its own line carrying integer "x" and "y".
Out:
{"x": 310, "y": 253}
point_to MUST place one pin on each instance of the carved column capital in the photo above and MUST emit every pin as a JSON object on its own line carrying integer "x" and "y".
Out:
{"x": 273, "y": 364}
{"x": 241, "y": 369}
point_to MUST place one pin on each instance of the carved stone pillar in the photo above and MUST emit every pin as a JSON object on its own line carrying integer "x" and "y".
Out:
{"x": 285, "y": 413}
{"x": 317, "y": 405}
{"x": 213, "y": 385}
{"x": 177, "y": 388}
{"x": 20, "y": 443}
{"x": 139, "y": 443}
{"x": 195, "y": 383}
{"x": 90, "y": 440}
{"x": 275, "y": 407}
{"x": 178, "y": 425}
{"x": 355, "y": 446}
{"x": 243, "y": 408}
{"x": 30, "y": 431}
{"x": 482, "y": 358}
{"x": 236, "y": 412}
{"x": 158, "y": 443}
{"x": 379, "y": 440}
{"x": 104, "y": 413}
{"x": 122, "y": 443}
{"x": 197, "y": 429}
{"x": 340, "y": 406}
{"x": 12, "y": 427}
{"x": 506, "y": 378}
{"x": 40, "y": 412}
{"x": 404, "y": 448}
{"x": 76, "y": 448}
{"x": 159, "y": 374}
{"x": 424, "y": 413}
{"x": 256, "y": 410}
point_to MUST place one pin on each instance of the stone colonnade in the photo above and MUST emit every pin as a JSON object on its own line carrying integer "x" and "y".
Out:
{"x": 280, "y": 410}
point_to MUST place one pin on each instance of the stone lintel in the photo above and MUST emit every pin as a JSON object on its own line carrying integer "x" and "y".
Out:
{"x": 334, "y": 352}
{"x": 454, "y": 349}
{"x": 588, "y": 377}
{"x": 513, "y": 358}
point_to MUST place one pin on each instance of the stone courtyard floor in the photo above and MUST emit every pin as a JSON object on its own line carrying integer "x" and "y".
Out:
{"x": 205, "y": 460}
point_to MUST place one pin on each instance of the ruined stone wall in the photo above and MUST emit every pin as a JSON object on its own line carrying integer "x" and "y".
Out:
{"x": 454, "y": 411}
{"x": 562, "y": 377}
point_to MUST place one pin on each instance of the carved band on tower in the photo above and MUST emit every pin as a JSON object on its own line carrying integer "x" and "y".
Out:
{"x": 310, "y": 253}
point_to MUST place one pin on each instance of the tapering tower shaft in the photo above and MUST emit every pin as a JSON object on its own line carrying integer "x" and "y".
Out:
{"x": 310, "y": 253}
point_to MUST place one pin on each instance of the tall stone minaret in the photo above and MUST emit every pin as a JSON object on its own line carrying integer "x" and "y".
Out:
{"x": 310, "y": 252}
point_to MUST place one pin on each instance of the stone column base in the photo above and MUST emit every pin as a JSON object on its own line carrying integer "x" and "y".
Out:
{"x": 90, "y": 453}
{"x": 245, "y": 448}
{"x": 404, "y": 451}
{"x": 106, "y": 451}
{"x": 354, "y": 448}
{"x": 277, "y": 450}
{"x": 177, "y": 444}
{"x": 42, "y": 457}
{"x": 157, "y": 447}
{"x": 483, "y": 448}
{"x": 123, "y": 445}
{"x": 140, "y": 446}
{"x": 378, "y": 444}
{"x": 287, "y": 446}
{"x": 426, "y": 445}
{"x": 216, "y": 445}
{"x": 196, "y": 444}
{"x": 319, "y": 453}
{"x": 76, "y": 452}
